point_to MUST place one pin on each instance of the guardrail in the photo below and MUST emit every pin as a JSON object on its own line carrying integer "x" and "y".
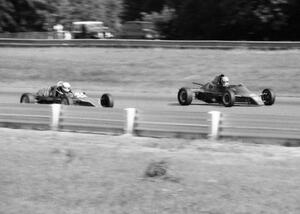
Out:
{"x": 262, "y": 126}
{"x": 130, "y": 121}
{"x": 127, "y": 43}
{"x": 25, "y": 116}
{"x": 172, "y": 124}
{"x": 110, "y": 121}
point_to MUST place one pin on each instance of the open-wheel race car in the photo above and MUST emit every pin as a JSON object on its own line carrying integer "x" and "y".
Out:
{"x": 52, "y": 96}
{"x": 228, "y": 96}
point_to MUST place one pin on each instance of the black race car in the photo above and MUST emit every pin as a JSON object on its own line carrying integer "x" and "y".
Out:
{"x": 52, "y": 96}
{"x": 228, "y": 96}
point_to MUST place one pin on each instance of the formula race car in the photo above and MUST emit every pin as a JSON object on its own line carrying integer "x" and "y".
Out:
{"x": 50, "y": 96}
{"x": 228, "y": 96}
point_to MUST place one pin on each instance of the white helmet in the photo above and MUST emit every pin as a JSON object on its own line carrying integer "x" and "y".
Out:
{"x": 59, "y": 84}
{"x": 225, "y": 81}
{"x": 66, "y": 87}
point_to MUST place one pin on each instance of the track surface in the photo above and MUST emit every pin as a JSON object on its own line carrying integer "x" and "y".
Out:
{"x": 150, "y": 101}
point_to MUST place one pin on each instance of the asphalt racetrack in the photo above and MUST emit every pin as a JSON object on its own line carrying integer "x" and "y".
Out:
{"x": 150, "y": 101}
{"x": 150, "y": 78}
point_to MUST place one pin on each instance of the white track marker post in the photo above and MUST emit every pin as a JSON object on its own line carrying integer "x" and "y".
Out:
{"x": 130, "y": 120}
{"x": 56, "y": 109}
{"x": 215, "y": 124}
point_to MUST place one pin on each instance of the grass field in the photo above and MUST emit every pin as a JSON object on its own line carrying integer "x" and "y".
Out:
{"x": 54, "y": 172}
{"x": 154, "y": 70}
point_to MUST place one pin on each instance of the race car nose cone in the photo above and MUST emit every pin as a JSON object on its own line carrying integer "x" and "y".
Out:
{"x": 257, "y": 99}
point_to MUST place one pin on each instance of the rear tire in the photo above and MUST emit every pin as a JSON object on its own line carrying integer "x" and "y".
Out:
{"x": 27, "y": 98}
{"x": 268, "y": 96}
{"x": 228, "y": 98}
{"x": 66, "y": 101}
{"x": 185, "y": 96}
{"x": 107, "y": 101}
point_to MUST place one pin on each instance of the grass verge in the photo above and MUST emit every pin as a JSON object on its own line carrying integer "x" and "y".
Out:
{"x": 56, "y": 172}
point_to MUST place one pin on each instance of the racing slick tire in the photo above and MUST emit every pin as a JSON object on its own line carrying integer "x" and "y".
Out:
{"x": 185, "y": 96}
{"x": 27, "y": 98}
{"x": 228, "y": 98}
{"x": 107, "y": 101}
{"x": 268, "y": 97}
{"x": 66, "y": 100}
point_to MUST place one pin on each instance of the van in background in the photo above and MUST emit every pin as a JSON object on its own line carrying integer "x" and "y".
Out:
{"x": 90, "y": 30}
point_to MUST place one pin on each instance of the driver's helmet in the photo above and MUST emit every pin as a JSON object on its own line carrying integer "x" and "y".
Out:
{"x": 59, "y": 84}
{"x": 66, "y": 87}
{"x": 225, "y": 81}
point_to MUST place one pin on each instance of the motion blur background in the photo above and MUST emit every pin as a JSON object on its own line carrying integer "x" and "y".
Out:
{"x": 173, "y": 19}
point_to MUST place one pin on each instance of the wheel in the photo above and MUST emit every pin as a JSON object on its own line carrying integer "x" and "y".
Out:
{"x": 268, "y": 96}
{"x": 27, "y": 98}
{"x": 107, "y": 101}
{"x": 228, "y": 98}
{"x": 66, "y": 100}
{"x": 185, "y": 96}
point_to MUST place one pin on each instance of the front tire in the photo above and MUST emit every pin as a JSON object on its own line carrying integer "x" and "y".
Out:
{"x": 268, "y": 96}
{"x": 185, "y": 96}
{"x": 107, "y": 101}
{"x": 228, "y": 98}
{"x": 27, "y": 98}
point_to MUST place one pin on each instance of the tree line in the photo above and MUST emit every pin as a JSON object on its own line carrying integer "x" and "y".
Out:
{"x": 175, "y": 19}
{"x": 42, "y": 15}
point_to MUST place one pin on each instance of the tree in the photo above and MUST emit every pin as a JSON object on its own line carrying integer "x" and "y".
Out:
{"x": 6, "y": 18}
{"x": 292, "y": 29}
{"x": 40, "y": 15}
{"x": 163, "y": 21}
{"x": 22, "y": 15}
{"x": 255, "y": 20}
{"x": 229, "y": 19}
{"x": 197, "y": 19}
{"x": 133, "y": 9}
{"x": 221, "y": 19}
{"x": 176, "y": 19}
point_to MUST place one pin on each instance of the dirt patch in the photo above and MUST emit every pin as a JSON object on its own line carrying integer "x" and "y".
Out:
{"x": 156, "y": 169}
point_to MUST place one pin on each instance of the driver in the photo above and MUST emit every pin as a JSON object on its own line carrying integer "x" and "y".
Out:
{"x": 63, "y": 87}
{"x": 221, "y": 81}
